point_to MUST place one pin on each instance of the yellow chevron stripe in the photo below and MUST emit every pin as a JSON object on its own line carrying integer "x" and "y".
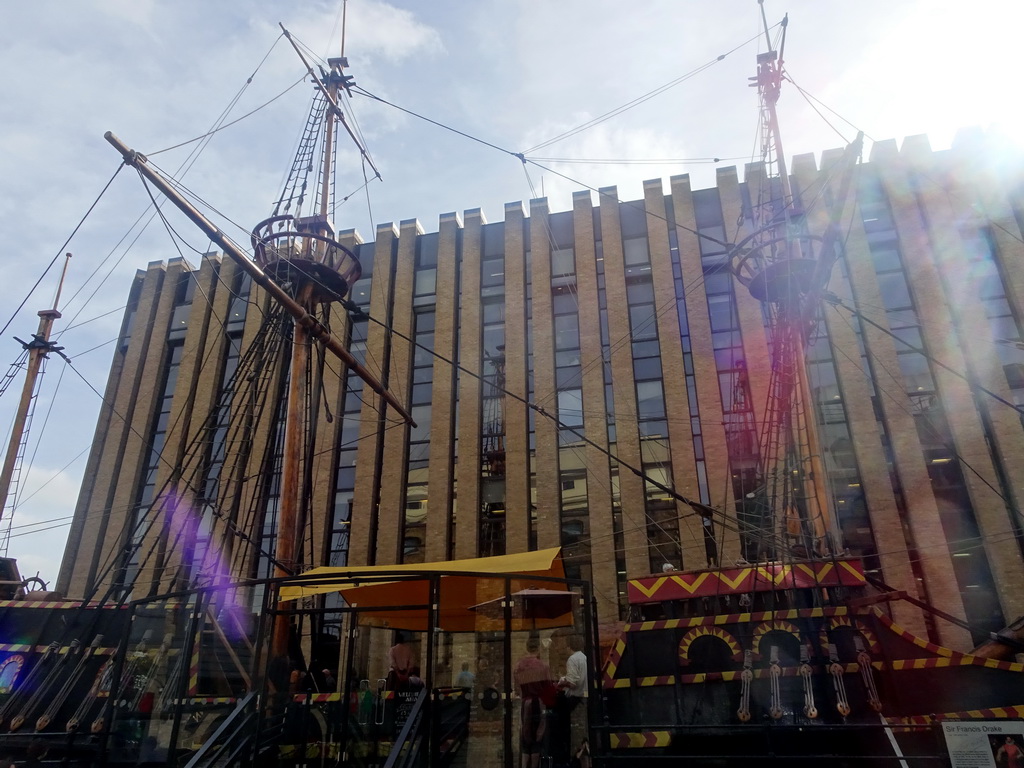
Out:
{"x": 654, "y": 587}
{"x": 691, "y": 587}
{"x": 733, "y": 583}
{"x": 776, "y": 578}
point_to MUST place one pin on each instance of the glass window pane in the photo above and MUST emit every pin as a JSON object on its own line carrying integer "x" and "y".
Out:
{"x": 640, "y": 292}
{"x": 634, "y": 251}
{"x": 567, "y": 332}
{"x": 421, "y": 415}
{"x": 647, "y": 368}
{"x": 493, "y": 312}
{"x": 645, "y": 349}
{"x": 570, "y": 407}
{"x": 643, "y": 323}
{"x": 720, "y": 310}
{"x": 916, "y": 372}
{"x": 563, "y": 302}
{"x": 894, "y": 290}
{"x": 650, "y": 400}
{"x": 568, "y": 376}
{"x": 563, "y": 262}
{"x": 492, "y": 272}
{"x": 717, "y": 281}
{"x": 426, "y": 282}
{"x": 886, "y": 259}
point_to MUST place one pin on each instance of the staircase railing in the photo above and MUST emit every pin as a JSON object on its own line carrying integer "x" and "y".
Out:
{"x": 232, "y": 738}
{"x": 408, "y": 749}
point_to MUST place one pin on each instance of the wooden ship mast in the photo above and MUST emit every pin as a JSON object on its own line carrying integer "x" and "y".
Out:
{"x": 37, "y": 351}
{"x": 299, "y": 262}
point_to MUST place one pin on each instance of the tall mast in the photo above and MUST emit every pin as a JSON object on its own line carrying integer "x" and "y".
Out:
{"x": 309, "y": 292}
{"x": 787, "y": 270}
{"x": 298, "y": 261}
{"x": 38, "y": 349}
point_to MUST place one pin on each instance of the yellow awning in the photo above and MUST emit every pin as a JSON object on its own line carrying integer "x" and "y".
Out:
{"x": 379, "y": 601}
{"x": 542, "y": 562}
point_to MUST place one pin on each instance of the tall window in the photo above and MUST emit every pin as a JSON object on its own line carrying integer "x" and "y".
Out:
{"x": 416, "y": 501}
{"x": 491, "y": 538}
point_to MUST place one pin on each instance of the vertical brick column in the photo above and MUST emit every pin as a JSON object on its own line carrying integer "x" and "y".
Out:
{"x": 365, "y": 502}
{"x": 442, "y": 407}
{"x": 517, "y": 447}
{"x": 599, "y": 491}
{"x": 627, "y": 445}
{"x": 869, "y": 452}
{"x": 936, "y": 269}
{"x": 136, "y": 447}
{"x": 467, "y": 520}
{"x": 393, "y": 471}
{"x": 549, "y": 494}
{"x": 194, "y": 398}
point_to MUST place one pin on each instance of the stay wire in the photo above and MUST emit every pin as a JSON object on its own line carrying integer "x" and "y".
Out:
{"x": 118, "y": 551}
{"x": 641, "y": 99}
{"x": 42, "y": 430}
{"x": 237, "y": 120}
{"x": 726, "y": 246}
{"x": 184, "y": 167}
{"x": 970, "y": 382}
{"x": 636, "y": 161}
{"x": 523, "y": 159}
{"x": 60, "y": 251}
{"x": 970, "y": 379}
{"x": 809, "y": 97}
{"x": 206, "y": 361}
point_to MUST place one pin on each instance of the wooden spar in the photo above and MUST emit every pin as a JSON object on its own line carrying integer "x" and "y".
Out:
{"x": 291, "y": 475}
{"x": 37, "y": 350}
{"x": 314, "y": 327}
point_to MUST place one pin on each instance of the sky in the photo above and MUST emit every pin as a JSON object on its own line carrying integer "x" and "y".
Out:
{"x": 514, "y": 74}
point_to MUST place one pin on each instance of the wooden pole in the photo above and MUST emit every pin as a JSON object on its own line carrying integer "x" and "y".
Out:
{"x": 37, "y": 350}
{"x": 291, "y": 477}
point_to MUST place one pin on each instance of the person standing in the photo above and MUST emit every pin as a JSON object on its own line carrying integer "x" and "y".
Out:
{"x": 330, "y": 684}
{"x": 536, "y": 686}
{"x": 401, "y": 660}
{"x": 466, "y": 679}
{"x": 571, "y": 709}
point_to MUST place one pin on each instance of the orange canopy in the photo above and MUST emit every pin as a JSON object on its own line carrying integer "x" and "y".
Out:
{"x": 463, "y": 584}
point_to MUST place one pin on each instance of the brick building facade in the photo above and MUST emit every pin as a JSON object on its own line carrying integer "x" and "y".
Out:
{"x": 621, "y": 320}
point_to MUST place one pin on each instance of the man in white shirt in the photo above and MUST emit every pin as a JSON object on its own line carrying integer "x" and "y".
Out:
{"x": 572, "y": 698}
